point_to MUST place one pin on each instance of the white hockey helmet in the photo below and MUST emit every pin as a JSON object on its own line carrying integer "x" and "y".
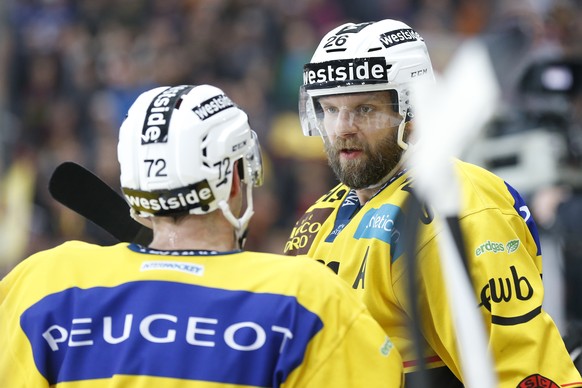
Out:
{"x": 177, "y": 150}
{"x": 364, "y": 57}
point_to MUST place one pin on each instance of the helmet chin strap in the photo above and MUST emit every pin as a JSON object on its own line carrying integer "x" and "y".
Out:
{"x": 240, "y": 224}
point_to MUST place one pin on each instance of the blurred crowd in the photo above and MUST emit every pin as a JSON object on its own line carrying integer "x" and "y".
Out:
{"x": 70, "y": 68}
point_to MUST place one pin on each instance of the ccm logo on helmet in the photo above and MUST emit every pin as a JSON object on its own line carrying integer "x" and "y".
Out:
{"x": 164, "y": 202}
{"x": 364, "y": 70}
{"x": 396, "y": 37}
{"x": 157, "y": 120}
{"x": 213, "y": 106}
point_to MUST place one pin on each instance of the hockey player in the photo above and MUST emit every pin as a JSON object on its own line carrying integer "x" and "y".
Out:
{"x": 355, "y": 95}
{"x": 192, "y": 308}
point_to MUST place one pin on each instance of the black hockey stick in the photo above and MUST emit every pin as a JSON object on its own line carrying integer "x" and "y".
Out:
{"x": 85, "y": 193}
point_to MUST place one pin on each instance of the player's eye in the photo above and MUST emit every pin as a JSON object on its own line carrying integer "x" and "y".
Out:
{"x": 330, "y": 109}
{"x": 365, "y": 109}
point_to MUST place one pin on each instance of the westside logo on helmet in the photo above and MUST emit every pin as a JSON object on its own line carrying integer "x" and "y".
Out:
{"x": 361, "y": 70}
{"x": 396, "y": 37}
{"x": 158, "y": 114}
{"x": 165, "y": 202}
{"x": 213, "y": 106}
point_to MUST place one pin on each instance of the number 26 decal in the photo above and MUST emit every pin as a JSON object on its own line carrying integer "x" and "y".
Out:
{"x": 341, "y": 36}
{"x": 335, "y": 40}
{"x": 156, "y": 167}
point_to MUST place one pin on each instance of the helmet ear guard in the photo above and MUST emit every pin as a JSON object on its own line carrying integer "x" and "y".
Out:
{"x": 250, "y": 169}
{"x": 177, "y": 151}
{"x": 253, "y": 163}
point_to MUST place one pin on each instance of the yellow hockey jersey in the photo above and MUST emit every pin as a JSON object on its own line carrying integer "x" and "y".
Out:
{"x": 81, "y": 315}
{"x": 365, "y": 246}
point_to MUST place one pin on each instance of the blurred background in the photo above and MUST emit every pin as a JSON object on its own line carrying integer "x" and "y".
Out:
{"x": 69, "y": 69}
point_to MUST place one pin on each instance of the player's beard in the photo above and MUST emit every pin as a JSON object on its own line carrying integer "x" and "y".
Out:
{"x": 371, "y": 167}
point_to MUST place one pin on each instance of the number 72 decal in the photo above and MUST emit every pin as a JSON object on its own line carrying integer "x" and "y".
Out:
{"x": 156, "y": 167}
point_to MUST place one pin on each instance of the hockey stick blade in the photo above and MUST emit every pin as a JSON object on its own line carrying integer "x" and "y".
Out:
{"x": 85, "y": 193}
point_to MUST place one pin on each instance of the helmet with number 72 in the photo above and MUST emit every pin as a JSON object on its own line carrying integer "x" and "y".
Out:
{"x": 177, "y": 151}
{"x": 365, "y": 57}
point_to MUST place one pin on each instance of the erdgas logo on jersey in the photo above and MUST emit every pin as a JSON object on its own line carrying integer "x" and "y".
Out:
{"x": 213, "y": 106}
{"x": 495, "y": 247}
{"x": 396, "y": 37}
{"x": 164, "y": 202}
{"x": 361, "y": 71}
{"x": 158, "y": 114}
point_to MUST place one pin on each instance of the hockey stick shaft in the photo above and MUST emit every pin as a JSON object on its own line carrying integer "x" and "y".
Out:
{"x": 85, "y": 193}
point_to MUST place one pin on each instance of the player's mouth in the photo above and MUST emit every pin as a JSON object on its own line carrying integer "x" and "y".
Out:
{"x": 350, "y": 153}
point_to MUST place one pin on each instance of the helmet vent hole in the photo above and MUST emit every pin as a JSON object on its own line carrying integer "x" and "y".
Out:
{"x": 179, "y": 102}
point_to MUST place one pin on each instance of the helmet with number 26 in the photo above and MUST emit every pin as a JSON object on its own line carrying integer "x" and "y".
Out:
{"x": 177, "y": 152}
{"x": 365, "y": 57}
